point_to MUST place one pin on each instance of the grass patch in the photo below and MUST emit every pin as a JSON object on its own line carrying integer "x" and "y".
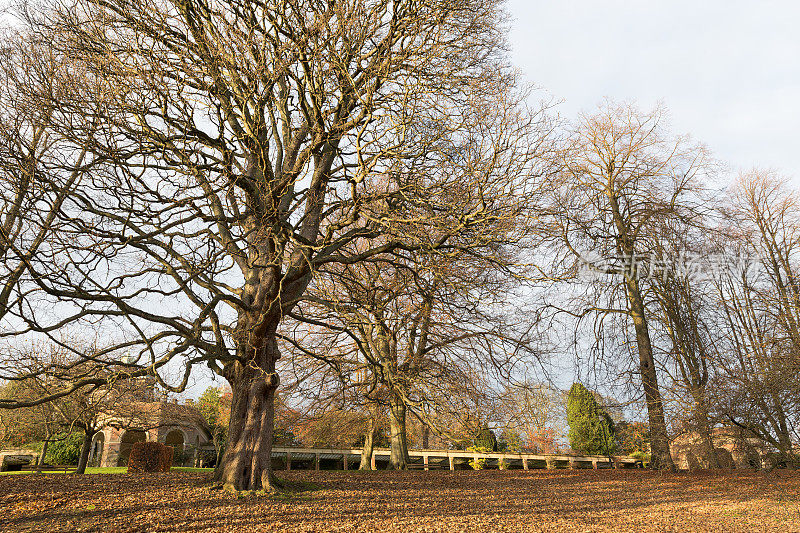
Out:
{"x": 111, "y": 470}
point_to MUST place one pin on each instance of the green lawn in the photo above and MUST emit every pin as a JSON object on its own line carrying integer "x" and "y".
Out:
{"x": 111, "y": 470}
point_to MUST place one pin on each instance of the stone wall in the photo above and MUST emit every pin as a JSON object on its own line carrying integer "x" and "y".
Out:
{"x": 154, "y": 422}
{"x": 731, "y": 448}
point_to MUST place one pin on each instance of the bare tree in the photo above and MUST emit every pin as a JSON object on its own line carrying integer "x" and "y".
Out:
{"x": 39, "y": 422}
{"x": 238, "y": 141}
{"x": 37, "y": 173}
{"x": 537, "y": 411}
{"x": 412, "y": 337}
{"x": 765, "y": 215}
{"x": 87, "y": 410}
{"x": 623, "y": 178}
{"x": 684, "y": 315}
{"x": 759, "y": 370}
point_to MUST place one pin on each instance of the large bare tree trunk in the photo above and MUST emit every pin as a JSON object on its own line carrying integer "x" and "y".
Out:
{"x": 659, "y": 441}
{"x": 86, "y": 447}
{"x": 247, "y": 462}
{"x": 398, "y": 443}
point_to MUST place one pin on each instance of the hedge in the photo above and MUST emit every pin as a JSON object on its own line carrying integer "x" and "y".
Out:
{"x": 150, "y": 457}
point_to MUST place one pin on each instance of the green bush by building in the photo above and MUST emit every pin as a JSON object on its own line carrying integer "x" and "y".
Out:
{"x": 65, "y": 450}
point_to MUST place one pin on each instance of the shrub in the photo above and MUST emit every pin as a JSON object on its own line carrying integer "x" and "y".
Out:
{"x": 591, "y": 430}
{"x": 502, "y": 464}
{"x": 510, "y": 441}
{"x": 183, "y": 457}
{"x": 66, "y": 450}
{"x": 150, "y": 457}
{"x": 479, "y": 463}
{"x": 208, "y": 458}
{"x": 485, "y": 439}
{"x": 644, "y": 457}
{"x": 167, "y": 454}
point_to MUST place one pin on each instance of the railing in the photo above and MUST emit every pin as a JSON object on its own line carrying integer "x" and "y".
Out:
{"x": 66, "y": 469}
{"x": 428, "y": 459}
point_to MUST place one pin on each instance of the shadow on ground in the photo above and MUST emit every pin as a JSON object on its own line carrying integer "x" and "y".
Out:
{"x": 582, "y": 500}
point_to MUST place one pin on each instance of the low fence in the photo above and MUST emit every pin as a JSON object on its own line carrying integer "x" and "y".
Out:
{"x": 307, "y": 458}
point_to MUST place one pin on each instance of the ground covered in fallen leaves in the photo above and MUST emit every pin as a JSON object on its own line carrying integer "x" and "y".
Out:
{"x": 539, "y": 500}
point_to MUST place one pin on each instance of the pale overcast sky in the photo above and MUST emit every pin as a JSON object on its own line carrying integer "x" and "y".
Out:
{"x": 728, "y": 70}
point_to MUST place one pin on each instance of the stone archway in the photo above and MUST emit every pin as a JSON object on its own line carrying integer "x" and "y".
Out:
{"x": 98, "y": 446}
{"x": 724, "y": 458}
{"x": 693, "y": 462}
{"x": 681, "y": 459}
{"x": 752, "y": 460}
{"x": 129, "y": 438}
{"x": 176, "y": 440}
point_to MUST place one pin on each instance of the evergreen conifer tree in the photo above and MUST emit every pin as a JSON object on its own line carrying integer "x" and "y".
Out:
{"x": 591, "y": 430}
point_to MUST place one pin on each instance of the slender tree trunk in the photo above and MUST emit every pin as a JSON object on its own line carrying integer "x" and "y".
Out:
{"x": 217, "y": 450}
{"x": 369, "y": 445}
{"x": 704, "y": 427}
{"x": 426, "y": 432}
{"x": 398, "y": 455}
{"x": 42, "y": 455}
{"x": 786, "y": 446}
{"x": 708, "y": 446}
{"x": 247, "y": 463}
{"x": 86, "y": 448}
{"x": 659, "y": 441}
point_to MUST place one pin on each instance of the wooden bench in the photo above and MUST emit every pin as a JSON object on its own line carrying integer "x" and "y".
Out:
{"x": 66, "y": 469}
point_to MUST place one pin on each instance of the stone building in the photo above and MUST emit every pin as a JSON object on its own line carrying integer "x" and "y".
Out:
{"x": 732, "y": 448}
{"x": 136, "y": 415}
{"x": 176, "y": 425}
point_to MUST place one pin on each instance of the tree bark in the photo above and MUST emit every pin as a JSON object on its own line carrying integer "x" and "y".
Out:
{"x": 704, "y": 428}
{"x": 42, "y": 455}
{"x": 785, "y": 444}
{"x": 398, "y": 455}
{"x": 369, "y": 445}
{"x": 661, "y": 459}
{"x": 217, "y": 439}
{"x": 86, "y": 448}
{"x": 247, "y": 461}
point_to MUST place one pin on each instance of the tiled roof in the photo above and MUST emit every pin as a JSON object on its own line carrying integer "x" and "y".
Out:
{"x": 160, "y": 414}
